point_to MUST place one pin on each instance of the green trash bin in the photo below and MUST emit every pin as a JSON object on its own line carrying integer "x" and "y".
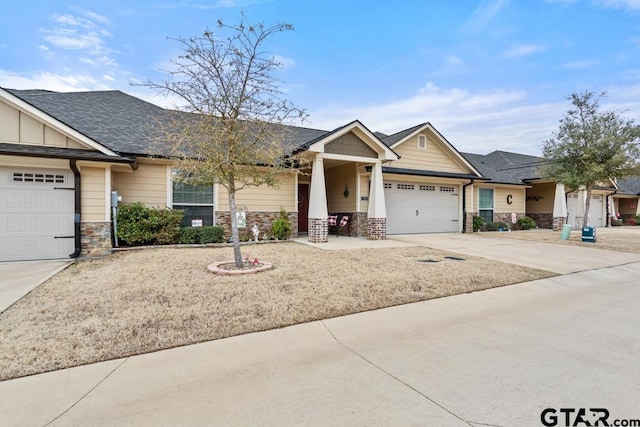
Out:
{"x": 566, "y": 232}
{"x": 589, "y": 234}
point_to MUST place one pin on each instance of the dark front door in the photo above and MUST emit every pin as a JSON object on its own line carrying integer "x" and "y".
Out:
{"x": 303, "y": 208}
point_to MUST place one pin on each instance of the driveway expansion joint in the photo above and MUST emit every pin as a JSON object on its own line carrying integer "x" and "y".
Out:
{"x": 87, "y": 393}
{"x": 393, "y": 376}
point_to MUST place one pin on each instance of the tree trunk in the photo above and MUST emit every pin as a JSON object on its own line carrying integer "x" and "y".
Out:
{"x": 235, "y": 235}
{"x": 587, "y": 206}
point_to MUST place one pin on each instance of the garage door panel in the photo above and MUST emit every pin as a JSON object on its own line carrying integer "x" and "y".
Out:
{"x": 421, "y": 208}
{"x": 36, "y": 214}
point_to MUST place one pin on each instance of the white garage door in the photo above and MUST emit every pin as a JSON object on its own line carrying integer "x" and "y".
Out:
{"x": 596, "y": 208}
{"x": 36, "y": 214}
{"x": 421, "y": 207}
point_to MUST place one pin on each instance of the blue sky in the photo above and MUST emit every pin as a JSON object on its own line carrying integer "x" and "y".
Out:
{"x": 488, "y": 74}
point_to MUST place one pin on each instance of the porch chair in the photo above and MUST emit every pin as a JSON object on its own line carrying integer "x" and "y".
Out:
{"x": 332, "y": 221}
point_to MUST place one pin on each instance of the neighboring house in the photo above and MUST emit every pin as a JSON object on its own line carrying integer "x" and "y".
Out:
{"x": 63, "y": 154}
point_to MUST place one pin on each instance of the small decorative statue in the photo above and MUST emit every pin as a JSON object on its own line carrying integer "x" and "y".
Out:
{"x": 256, "y": 231}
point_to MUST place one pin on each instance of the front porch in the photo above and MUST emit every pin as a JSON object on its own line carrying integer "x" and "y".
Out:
{"x": 345, "y": 180}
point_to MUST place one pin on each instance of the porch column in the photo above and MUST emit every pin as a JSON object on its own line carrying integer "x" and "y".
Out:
{"x": 559, "y": 208}
{"x": 377, "y": 212}
{"x": 318, "y": 228}
{"x": 612, "y": 210}
{"x": 638, "y": 206}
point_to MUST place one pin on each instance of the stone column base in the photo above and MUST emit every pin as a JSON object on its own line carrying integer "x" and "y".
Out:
{"x": 377, "y": 228}
{"x": 318, "y": 230}
{"x": 95, "y": 238}
{"x": 558, "y": 223}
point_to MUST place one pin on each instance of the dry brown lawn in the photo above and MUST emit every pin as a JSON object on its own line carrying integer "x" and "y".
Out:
{"x": 142, "y": 301}
{"x": 621, "y": 239}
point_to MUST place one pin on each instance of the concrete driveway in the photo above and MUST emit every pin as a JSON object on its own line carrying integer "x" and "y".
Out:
{"x": 497, "y": 357}
{"x": 560, "y": 259}
{"x": 19, "y": 278}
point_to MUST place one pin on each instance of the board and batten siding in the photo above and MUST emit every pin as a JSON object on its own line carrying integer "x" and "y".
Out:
{"x": 148, "y": 185}
{"x": 433, "y": 158}
{"x": 263, "y": 198}
{"x": 20, "y": 128}
{"x": 336, "y": 179}
{"x": 93, "y": 194}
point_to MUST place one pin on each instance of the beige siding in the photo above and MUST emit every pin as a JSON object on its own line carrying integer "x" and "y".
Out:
{"x": 628, "y": 206}
{"x": 18, "y": 127}
{"x": 93, "y": 194}
{"x": 9, "y": 120}
{"x": 517, "y": 205}
{"x": 471, "y": 202}
{"x": 500, "y": 194}
{"x": 147, "y": 184}
{"x": 540, "y": 198}
{"x": 436, "y": 156}
{"x": 263, "y": 198}
{"x": 336, "y": 179}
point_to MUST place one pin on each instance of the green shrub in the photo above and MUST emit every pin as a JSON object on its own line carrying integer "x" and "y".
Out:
{"x": 616, "y": 222}
{"x": 496, "y": 226}
{"x": 206, "y": 234}
{"x": 189, "y": 235}
{"x": 139, "y": 225}
{"x": 526, "y": 223}
{"x": 478, "y": 223}
{"x": 281, "y": 227}
{"x": 212, "y": 234}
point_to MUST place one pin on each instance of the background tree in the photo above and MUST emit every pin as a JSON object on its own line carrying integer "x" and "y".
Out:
{"x": 230, "y": 124}
{"x": 591, "y": 146}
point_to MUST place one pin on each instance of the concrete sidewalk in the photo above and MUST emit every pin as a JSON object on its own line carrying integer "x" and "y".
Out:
{"x": 496, "y": 357}
{"x": 19, "y": 278}
{"x": 560, "y": 259}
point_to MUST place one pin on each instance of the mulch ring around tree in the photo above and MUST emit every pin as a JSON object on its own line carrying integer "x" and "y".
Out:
{"x": 248, "y": 267}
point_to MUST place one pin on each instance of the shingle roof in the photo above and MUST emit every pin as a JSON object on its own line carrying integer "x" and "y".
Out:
{"x": 120, "y": 122}
{"x": 392, "y": 139}
{"x": 506, "y": 167}
{"x": 630, "y": 185}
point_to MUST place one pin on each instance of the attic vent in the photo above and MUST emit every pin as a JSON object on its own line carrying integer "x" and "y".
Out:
{"x": 422, "y": 142}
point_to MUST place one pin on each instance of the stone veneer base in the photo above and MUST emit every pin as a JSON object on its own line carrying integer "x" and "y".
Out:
{"x": 95, "y": 239}
{"x": 318, "y": 230}
{"x": 262, "y": 219}
{"x": 377, "y": 229}
{"x": 558, "y": 223}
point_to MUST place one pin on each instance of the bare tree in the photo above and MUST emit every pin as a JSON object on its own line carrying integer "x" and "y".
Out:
{"x": 591, "y": 146}
{"x": 231, "y": 129}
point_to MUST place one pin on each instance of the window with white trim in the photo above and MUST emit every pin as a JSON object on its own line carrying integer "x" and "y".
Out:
{"x": 422, "y": 142}
{"x": 196, "y": 201}
{"x": 485, "y": 204}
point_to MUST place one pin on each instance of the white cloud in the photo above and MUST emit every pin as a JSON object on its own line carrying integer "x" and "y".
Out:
{"x": 50, "y": 81}
{"x": 79, "y": 33}
{"x": 619, "y": 4}
{"x": 520, "y": 50}
{"x": 478, "y": 122}
{"x": 579, "y": 65}
{"x": 286, "y": 63}
{"x": 483, "y": 14}
{"x": 453, "y": 60}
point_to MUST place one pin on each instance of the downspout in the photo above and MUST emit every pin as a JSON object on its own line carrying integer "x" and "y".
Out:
{"x": 608, "y": 211}
{"x": 76, "y": 218}
{"x": 464, "y": 205}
